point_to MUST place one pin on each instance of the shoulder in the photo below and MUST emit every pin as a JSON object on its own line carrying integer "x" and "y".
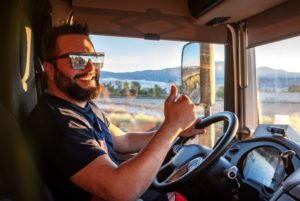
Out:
{"x": 41, "y": 111}
{"x": 46, "y": 109}
{"x": 54, "y": 111}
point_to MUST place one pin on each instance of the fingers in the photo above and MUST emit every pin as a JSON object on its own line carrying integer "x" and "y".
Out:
{"x": 183, "y": 98}
{"x": 174, "y": 97}
{"x": 173, "y": 94}
{"x": 199, "y": 130}
{"x": 192, "y": 131}
{"x": 179, "y": 111}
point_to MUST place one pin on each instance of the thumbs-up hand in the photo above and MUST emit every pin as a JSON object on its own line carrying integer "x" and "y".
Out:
{"x": 180, "y": 112}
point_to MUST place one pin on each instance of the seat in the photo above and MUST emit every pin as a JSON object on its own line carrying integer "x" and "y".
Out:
{"x": 19, "y": 177}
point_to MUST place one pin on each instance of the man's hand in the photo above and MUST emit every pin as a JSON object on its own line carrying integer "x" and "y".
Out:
{"x": 192, "y": 131}
{"x": 180, "y": 112}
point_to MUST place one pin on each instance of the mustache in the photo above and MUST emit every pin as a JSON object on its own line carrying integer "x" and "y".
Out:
{"x": 86, "y": 74}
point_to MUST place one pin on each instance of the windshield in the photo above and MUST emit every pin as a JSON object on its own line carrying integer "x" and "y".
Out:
{"x": 137, "y": 76}
{"x": 278, "y": 78}
{"x": 136, "y": 79}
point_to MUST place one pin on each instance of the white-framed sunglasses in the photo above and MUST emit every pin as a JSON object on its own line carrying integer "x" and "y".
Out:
{"x": 79, "y": 60}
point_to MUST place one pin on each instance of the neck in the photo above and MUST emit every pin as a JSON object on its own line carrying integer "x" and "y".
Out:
{"x": 62, "y": 95}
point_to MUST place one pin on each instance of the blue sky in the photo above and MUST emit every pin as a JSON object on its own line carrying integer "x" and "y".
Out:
{"x": 283, "y": 55}
{"x": 132, "y": 54}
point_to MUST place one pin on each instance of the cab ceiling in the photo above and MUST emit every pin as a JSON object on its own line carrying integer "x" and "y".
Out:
{"x": 166, "y": 19}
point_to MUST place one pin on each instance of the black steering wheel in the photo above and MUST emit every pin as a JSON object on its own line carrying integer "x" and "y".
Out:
{"x": 187, "y": 161}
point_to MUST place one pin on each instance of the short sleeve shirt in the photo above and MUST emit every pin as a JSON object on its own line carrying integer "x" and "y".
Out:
{"x": 65, "y": 138}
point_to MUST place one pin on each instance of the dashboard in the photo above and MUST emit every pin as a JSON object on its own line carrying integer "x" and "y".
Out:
{"x": 262, "y": 166}
{"x": 265, "y": 167}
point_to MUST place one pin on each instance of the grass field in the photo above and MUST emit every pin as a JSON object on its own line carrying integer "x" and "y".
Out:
{"x": 143, "y": 114}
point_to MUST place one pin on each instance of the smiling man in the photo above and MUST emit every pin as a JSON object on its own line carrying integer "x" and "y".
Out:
{"x": 75, "y": 144}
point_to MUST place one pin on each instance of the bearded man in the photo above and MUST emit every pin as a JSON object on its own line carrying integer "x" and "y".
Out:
{"x": 75, "y": 144}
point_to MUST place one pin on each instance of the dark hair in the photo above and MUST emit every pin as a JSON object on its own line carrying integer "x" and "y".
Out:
{"x": 50, "y": 39}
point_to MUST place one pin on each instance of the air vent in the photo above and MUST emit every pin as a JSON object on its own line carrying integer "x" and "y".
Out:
{"x": 217, "y": 21}
{"x": 199, "y": 7}
{"x": 151, "y": 36}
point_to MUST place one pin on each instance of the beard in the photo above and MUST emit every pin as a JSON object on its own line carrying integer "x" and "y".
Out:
{"x": 73, "y": 90}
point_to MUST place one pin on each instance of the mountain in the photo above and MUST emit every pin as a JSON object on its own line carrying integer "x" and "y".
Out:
{"x": 268, "y": 78}
{"x": 267, "y": 72}
{"x": 168, "y": 75}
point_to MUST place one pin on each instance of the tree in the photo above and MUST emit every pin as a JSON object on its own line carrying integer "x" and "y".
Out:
{"x": 220, "y": 92}
{"x": 125, "y": 91}
{"x": 158, "y": 92}
{"x": 135, "y": 88}
{"x": 294, "y": 88}
{"x": 119, "y": 85}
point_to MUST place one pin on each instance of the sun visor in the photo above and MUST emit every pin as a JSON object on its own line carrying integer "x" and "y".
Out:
{"x": 151, "y": 22}
{"x": 278, "y": 23}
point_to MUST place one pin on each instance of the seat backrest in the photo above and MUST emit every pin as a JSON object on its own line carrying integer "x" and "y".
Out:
{"x": 19, "y": 178}
{"x": 17, "y": 83}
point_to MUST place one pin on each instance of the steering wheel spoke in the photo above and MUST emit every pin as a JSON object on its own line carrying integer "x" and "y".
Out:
{"x": 170, "y": 173}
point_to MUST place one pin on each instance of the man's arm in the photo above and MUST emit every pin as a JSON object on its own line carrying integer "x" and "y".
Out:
{"x": 129, "y": 180}
{"x": 127, "y": 143}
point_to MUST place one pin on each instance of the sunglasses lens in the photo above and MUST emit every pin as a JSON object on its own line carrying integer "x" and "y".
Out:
{"x": 79, "y": 62}
{"x": 97, "y": 61}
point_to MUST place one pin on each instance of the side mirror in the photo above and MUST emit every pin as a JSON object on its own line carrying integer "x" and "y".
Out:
{"x": 197, "y": 73}
{"x": 190, "y": 72}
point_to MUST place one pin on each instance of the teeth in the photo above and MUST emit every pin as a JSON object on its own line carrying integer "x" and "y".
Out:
{"x": 87, "y": 78}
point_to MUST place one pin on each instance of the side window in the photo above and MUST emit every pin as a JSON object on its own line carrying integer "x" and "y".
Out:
{"x": 137, "y": 76}
{"x": 219, "y": 62}
{"x": 278, "y": 81}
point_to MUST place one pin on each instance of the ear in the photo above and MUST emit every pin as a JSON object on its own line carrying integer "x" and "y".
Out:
{"x": 49, "y": 70}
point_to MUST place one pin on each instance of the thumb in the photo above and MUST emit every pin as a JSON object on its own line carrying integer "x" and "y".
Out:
{"x": 173, "y": 93}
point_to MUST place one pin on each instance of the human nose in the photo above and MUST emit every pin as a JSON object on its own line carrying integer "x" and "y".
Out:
{"x": 90, "y": 66}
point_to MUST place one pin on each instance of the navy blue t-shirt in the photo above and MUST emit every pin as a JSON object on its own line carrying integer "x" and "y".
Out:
{"x": 65, "y": 138}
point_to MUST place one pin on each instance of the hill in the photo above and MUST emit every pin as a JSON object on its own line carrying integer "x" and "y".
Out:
{"x": 168, "y": 75}
{"x": 268, "y": 78}
{"x": 267, "y": 72}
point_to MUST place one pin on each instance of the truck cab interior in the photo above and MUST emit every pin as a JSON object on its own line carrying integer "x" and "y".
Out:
{"x": 250, "y": 162}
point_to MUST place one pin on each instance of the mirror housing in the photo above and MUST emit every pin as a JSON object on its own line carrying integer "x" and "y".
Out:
{"x": 198, "y": 73}
{"x": 190, "y": 72}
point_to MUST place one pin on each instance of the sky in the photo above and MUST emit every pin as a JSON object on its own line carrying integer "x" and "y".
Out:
{"x": 132, "y": 54}
{"x": 284, "y": 55}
